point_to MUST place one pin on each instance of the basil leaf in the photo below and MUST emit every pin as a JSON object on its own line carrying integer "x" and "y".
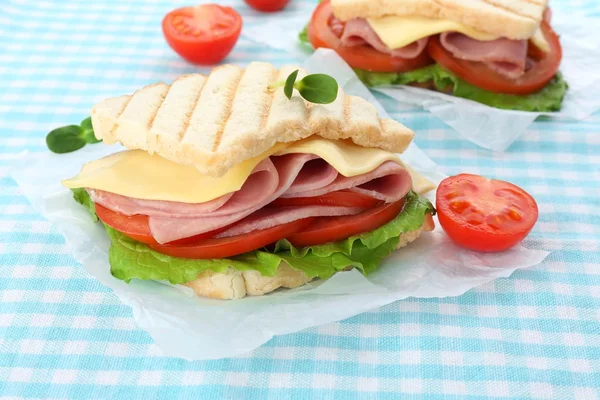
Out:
{"x": 66, "y": 139}
{"x": 288, "y": 88}
{"x": 318, "y": 88}
{"x": 88, "y": 131}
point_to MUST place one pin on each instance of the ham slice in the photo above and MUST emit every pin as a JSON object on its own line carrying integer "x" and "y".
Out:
{"x": 388, "y": 182}
{"x": 291, "y": 175}
{"x": 505, "y": 56}
{"x": 270, "y": 217}
{"x": 357, "y": 32}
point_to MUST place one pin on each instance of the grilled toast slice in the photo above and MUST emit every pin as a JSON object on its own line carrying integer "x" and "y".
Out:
{"x": 215, "y": 122}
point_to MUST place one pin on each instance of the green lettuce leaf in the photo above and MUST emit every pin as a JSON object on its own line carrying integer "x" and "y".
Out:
{"x": 82, "y": 197}
{"x": 303, "y": 36}
{"x": 130, "y": 259}
{"x": 420, "y": 75}
{"x": 548, "y": 99}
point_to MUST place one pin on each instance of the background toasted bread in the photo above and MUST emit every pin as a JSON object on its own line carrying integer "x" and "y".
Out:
{"x": 514, "y": 19}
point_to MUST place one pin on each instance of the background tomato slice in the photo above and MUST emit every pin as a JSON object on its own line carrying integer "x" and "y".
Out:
{"x": 342, "y": 198}
{"x": 332, "y": 229}
{"x": 363, "y": 57}
{"x": 203, "y": 34}
{"x": 478, "y": 74}
{"x": 232, "y": 246}
{"x": 267, "y": 5}
{"x": 484, "y": 214}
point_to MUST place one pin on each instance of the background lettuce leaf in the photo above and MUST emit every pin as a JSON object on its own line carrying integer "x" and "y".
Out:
{"x": 548, "y": 99}
{"x": 130, "y": 259}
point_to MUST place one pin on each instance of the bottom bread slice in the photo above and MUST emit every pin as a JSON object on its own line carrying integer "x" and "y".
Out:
{"x": 235, "y": 284}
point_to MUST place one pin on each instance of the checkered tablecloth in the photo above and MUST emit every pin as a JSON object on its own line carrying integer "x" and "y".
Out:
{"x": 64, "y": 336}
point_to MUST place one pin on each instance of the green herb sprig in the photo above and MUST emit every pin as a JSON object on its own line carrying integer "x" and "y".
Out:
{"x": 316, "y": 88}
{"x": 71, "y": 137}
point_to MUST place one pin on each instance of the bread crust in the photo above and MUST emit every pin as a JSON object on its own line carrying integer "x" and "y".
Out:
{"x": 234, "y": 284}
{"x": 514, "y": 19}
{"x": 216, "y": 122}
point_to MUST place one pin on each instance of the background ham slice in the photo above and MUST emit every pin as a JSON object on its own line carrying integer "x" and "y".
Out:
{"x": 291, "y": 175}
{"x": 505, "y": 56}
{"x": 357, "y": 32}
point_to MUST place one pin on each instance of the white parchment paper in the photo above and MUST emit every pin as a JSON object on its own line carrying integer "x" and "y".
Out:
{"x": 485, "y": 126}
{"x": 193, "y": 328}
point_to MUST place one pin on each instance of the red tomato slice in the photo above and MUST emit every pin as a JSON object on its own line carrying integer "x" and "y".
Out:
{"x": 267, "y": 5}
{"x": 232, "y": 246}
{"x": 478, "y": 74}
{"x": 363, "y": 57}
{"x": 137, "y": 228}
{"x": 203, "y": 34}
{"x": 342, "y": 198}
{"x": 332, "y": 229}
{"x": 484, "y": 214}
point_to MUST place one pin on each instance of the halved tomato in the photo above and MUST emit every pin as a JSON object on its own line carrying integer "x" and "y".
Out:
{"x": 363, "y": 57}
{"x": 203, "y": 34}
{"x": 476, "y": 73}
{"x": 484, "y": 214}
{"x": 232, "y": 246}
{"x": 332, "y": 229}
{"x": 342, "y": 198}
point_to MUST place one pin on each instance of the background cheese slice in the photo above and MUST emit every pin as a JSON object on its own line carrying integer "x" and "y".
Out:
{"x": 397, "y": 31}
{"x": 135, "y": 173}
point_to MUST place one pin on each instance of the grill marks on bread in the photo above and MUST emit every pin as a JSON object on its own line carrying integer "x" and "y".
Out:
{"x": 218, "y": 121}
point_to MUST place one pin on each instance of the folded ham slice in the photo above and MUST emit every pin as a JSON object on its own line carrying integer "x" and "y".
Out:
{"x": 357, "y": 32}
{"x": 269, "y": 217}
{"x": 385, "y": 183}
{"x": 292, "y": 175}
{"x": 505, "y": 56}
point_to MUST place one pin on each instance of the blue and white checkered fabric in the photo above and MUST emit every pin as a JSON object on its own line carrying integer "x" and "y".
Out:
{"x": 63, "y": 335}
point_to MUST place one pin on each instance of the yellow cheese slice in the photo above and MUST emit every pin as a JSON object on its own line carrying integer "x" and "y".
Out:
{"x": 540, "y": 41}
{"x": 397, "y": 31}
{"x": 135, "y": 173}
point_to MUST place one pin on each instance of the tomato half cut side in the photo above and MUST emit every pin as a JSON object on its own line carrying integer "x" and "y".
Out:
{"x": 332, "y": 229}
{"x": 342, "y": 198}
{"x": 232, "y": 246}
{"x": 476, "y": 73}
{"x": 364, "y": 57}
{"x": 203, "y": 34}
{"x": 484, "y": 214}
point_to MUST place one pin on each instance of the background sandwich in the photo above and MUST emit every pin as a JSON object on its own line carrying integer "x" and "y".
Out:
{"x": 233, "y": 189}
{"x": 500, "y": 53}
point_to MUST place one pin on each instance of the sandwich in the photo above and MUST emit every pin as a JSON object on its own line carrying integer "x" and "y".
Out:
{"x": 497, "y": 52}
{"x": 230, "y": 188}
